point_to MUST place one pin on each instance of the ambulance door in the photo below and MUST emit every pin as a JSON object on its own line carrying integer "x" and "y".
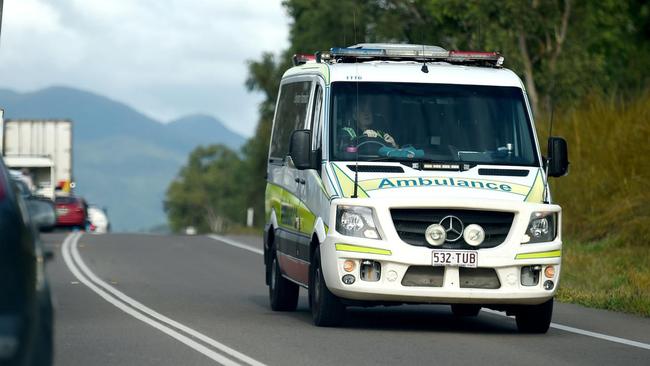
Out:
{"x": 292, "y": 115}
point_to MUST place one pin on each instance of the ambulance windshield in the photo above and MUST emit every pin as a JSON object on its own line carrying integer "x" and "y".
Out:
{"x": 377, "y": 121}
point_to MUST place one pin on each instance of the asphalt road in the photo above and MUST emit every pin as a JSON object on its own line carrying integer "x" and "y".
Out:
{"x": 175, "y": 300}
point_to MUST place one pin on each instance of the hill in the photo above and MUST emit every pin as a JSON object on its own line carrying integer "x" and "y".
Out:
{"x": 123, "y": 159}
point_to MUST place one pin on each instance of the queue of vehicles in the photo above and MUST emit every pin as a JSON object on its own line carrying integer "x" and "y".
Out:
{"x": 38, "y": 153}
{"x": 36, "y": 194}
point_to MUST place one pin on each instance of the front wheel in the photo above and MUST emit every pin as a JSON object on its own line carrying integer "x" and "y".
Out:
{"x": 535, "y": 318}
{"x": 326, "y": 309}
{"x": 283, "y": 294}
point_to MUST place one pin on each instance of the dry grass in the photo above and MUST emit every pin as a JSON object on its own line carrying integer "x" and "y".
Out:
{"x": 606, "y": 203}
{"x": 606, "y": 275}
{"x": 607, "y": 192}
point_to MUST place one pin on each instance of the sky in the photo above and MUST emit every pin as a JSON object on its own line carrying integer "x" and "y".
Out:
{"x": 165, "y": 58}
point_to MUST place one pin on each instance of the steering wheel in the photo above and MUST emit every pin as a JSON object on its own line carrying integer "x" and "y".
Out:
{"x": 365, "y": 140}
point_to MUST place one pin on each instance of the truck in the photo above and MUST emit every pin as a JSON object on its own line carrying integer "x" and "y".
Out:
{"x": 42, "y": 150}
{"x": 410, "y": 174}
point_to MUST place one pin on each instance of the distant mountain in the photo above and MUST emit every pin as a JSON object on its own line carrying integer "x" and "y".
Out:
{"x": 201, "y": 129}
{"x": 122, "y": 159}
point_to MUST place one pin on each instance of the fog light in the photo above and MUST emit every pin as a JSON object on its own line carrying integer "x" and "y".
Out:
{"x": 348, "y": 279}
{"x": 435, "y": 234}
{"x": 474, "y": 235}
{"x": 391, "y": 276}
{"x": 548, "y": 285}
{"x": 530, "y": 275}
{"x": 370, "y": 270}
{"x": 349, "y": 265}
{"x": 549, "y": 272}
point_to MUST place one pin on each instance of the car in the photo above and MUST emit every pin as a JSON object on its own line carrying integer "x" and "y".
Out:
{"x": 410, "y": 174}
{"x": 98, "y": 220}
{"x": 41, "y": 208}
{"x": 71, "y": 211}
{"x": 26, "y": 325}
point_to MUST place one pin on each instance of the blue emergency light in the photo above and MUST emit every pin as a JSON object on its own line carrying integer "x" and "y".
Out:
{"x": 401, "y": 52}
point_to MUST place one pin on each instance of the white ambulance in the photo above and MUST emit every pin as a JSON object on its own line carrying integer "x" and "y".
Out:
{"x": 410, "y": 174}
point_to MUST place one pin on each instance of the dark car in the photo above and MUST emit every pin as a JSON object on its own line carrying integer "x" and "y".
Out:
{"x": 25, "y": 303}
{"x": 71, "y": 212}
{"x": 40, "y": 208}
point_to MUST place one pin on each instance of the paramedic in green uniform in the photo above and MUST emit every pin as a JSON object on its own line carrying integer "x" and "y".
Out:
{"x": 365, "y": 125}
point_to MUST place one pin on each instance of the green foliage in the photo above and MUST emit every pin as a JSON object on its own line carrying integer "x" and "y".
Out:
{"x": 264, "y": 76}
{"x": 207, "y": 193}
{"x": 561, "y": 49}
{"x": 606, "y": 192}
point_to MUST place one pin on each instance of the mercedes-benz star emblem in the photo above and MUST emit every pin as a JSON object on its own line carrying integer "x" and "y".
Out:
{"x": 453, "y": 227}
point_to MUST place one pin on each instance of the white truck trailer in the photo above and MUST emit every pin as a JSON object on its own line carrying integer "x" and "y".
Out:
{"x": 43, "y": 148}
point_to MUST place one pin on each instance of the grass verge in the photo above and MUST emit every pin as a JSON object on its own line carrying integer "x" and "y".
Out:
{"x": 607, "y": 275}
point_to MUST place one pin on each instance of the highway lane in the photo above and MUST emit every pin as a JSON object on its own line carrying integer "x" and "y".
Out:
{"x": 217, "y": 291}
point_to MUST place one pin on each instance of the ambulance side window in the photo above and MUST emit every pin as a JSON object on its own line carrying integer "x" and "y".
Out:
{"x": 290, "y": 116}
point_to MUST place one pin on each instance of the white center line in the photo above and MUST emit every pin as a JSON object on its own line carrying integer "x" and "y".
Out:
{"x": 553, "y": 325}
{"x": 137, "y": 310}
{"x": 236, "y": 244}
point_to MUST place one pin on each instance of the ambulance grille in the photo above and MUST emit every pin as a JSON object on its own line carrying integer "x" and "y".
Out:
{"x": 411, "y": 223}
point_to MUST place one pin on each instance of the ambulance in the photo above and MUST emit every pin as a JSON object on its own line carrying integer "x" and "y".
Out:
{"x": 410, "y": 174}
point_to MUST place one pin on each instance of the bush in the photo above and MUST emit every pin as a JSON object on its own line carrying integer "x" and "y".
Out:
{"x": 606, "y": 193}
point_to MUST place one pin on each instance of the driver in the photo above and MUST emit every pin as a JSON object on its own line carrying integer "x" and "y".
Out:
{"x": 365, "y": 124}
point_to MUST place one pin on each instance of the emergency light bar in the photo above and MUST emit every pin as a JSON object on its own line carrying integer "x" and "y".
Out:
{"x": 301, "y": 59}
{"x": 423, "y": 53}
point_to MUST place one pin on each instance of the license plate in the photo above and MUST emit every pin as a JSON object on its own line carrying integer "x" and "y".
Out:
{"x": 61, "y": 211}
{"x": 457, "y": 258}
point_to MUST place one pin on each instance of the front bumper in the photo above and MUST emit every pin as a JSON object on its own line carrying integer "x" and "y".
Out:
{"x": 395, "y": 255}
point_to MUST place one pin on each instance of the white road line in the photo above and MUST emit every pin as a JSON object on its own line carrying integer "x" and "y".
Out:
{"x": 155, "y": 314}
{"x": 601, "y": 336}
{"x": 72, "y": 259}
{"x": 236, "y": 244}
{"x": 588, "y": 333}
{"x": 553, "y": 325}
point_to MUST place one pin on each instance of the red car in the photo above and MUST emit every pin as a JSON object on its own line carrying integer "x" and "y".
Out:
{"x": 71, "y": 212}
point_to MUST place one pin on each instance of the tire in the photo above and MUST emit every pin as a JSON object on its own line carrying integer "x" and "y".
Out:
{"x": 44, "y": 345}
{"x": 326, "y": 309}
{"x": 535, "y": 318}
{"x": 283, "y": 294}
{"x": 45, "y": 348}
{"x": 465, "y": 310}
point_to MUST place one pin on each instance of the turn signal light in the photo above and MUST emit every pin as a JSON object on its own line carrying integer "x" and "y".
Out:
{"x": 549, "y": 272}
{"x": 349, "y": 265}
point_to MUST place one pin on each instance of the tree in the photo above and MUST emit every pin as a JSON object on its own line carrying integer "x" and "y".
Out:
{"x": 207, "y": 193}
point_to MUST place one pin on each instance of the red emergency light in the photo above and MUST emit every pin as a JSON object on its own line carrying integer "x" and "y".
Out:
{"x": 301, "y": 59}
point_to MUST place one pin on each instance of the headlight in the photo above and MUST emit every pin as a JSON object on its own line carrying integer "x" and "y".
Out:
{"x": 356, "y": 221}
{"x": 541, "y": 228}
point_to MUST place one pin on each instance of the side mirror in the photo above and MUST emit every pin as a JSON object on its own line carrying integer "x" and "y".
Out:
{"x": 300, "y": 149}
{"x": 558, "y": 155}
{"x": 48, "y": 255}
{"x": 42, "y": 213}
